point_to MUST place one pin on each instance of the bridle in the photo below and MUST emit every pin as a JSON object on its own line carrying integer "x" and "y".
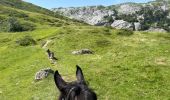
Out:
{"x": 71, "y": 90}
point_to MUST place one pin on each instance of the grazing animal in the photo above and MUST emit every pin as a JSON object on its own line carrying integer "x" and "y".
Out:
{"x": 51, "y": 55}
{"x": 77, "y": 90}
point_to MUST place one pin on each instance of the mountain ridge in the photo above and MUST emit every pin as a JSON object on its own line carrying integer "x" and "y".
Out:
{"x": 125, "y": 14}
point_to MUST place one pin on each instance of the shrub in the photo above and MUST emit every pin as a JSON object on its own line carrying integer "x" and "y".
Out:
{"x": 13, "y": 25}
{"x": 14, "y": 13}
{"x": 100, "y": 7}
{"x": 95, "y": 31}
{"x": 3, "y": 25}
{"x": 125, "y": 32}
{"x": 145, "y": 26}
{"x": 26, "y": 41}
{"x": 109, "y": 19}
{"x": 57, "y": 25}
{"x": 106, "y": 31}
{"x": 27, "y": 26}
{"x": 128, "y": 18}
{"x": 156, "y": 17}
{"x": 5, "y": 40}
{"x": 103, "y": 43}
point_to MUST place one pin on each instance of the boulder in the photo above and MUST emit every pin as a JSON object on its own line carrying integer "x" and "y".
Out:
{"x": 121, "y": 24}
{"x": 137, "y": 26}
{"x": 140, "y": 17}
{"x": 82, "y": 51}
{"x": 43, "y": 73}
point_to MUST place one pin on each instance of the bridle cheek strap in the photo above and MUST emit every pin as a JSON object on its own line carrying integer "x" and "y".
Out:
{"x": 71, "y": 90}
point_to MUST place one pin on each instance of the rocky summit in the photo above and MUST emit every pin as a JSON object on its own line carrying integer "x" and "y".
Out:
{"x": 90, "y": 15}
{"x": 131, "y": 16}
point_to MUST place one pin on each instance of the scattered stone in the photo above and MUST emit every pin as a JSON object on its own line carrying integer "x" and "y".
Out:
{"x": 82, "y": 51}
{"x": 160, "y": 30}
{"x": 43, "y": 73}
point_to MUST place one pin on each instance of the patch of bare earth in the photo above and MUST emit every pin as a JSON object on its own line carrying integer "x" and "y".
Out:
{"x": 46, "y": 44}
{"x": 161, "y": 61}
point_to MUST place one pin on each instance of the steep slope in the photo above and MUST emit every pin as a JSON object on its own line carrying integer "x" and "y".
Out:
{"x": 20, "y": 4}
{"x": 28, "y": 14}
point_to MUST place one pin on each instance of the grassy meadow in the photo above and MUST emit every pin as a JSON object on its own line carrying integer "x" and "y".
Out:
{"x": 123, "y": 67}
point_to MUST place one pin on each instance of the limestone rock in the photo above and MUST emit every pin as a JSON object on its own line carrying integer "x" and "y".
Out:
{"x": 90, "y": 15}
{"x": 128, "y": 8}
{"x": 121, "y": 24}
{"x": 137, "y": 26}
{"x": 43, "y": 73}
{"x": 116, "y": 14}
{"x": 160, "y": 30}
{"x": 82, "y": 51}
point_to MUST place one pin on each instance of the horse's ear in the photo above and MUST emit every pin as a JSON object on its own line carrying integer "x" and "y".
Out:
{"x": 60, "y": 83}
{"x": 79, "y": 75}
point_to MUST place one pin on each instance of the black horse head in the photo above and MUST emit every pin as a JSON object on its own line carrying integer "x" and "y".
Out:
{"x": 77, "y": 90}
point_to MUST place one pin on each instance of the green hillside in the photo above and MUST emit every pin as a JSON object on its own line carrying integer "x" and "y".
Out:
{"x": 20, "y": 4}
{"x": 27, "y": 14}
{"x": 123, "y": 67}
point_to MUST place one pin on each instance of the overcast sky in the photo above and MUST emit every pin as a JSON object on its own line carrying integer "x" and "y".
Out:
{"x": 76, "y": 3}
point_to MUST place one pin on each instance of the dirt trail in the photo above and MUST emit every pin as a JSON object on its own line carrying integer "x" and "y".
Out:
{"x": 46, "y": 44}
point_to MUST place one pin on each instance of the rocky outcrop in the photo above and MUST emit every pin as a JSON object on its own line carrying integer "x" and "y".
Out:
{"x": 128, "y": 8}
{"x": 123, "y": 16}
{"x": 43, "y": 73}
{"x": 168, "y": 16}
{"x": 137, "y": 26}
{"x": 90, "y": 15}
{"x": 82, "y": 51}
{"x": 121, "y": 24}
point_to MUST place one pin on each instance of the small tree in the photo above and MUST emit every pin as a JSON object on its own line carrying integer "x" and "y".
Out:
{"x": 13, "y": 25}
